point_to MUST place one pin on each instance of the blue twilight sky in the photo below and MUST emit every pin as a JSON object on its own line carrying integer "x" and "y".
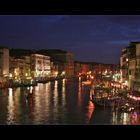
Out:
{"x": 98, "y": 38}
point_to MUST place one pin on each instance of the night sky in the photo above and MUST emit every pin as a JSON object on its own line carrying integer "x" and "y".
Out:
{"x": 91, "y": 38}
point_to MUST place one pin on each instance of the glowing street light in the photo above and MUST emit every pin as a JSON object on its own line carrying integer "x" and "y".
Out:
{"x": 105, "y": 71}
{"x": 126, "y": 83}
{"x": 89, "y": 72}
{"x": 92, "y": 77}
{"x": 63, "y": 73}
{"x": 56, "y": 73}
{"x": 10, "y": 75}
{"x": 16, "y": 73}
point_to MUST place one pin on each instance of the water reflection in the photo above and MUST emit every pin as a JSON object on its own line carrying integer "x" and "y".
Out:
{"x": 79, "y": 92}
{"x": 115, "y": 117}
{"x": 63, "y": 92}
{"x": 10, "y": 107}
{"x": 55, "y": 94}
{"x": 134, "y": 118}
{"x": 89, "y": 113}
{"x": 60, "y": 102}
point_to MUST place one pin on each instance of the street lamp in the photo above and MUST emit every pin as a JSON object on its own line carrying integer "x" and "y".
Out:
{"x": 10, "y": 75}
{"x": 92, "y": 77}
{"x": 56, "y": 73}
{"x": 15, "y": 72}
{"x": 89, "y": 72}
{"x": 63, "y": 72}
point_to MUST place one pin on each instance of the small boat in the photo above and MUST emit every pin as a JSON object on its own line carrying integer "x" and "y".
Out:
{"x": 126, "y": 108}
{"x": 100, "y": 102}
{"x": 105, "y": 101}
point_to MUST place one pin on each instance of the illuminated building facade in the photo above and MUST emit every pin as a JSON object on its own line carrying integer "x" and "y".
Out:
{"x": 95, "y": 69}
{"x": 124, "y": 64}
{"x": 20, "y": 67}
{"x": 28, "y": 63}
{"x": 63, "y": 61}
{"x": 130, "y": 65}
{"x": 137, "y": 71}
{"x": 85, "y": 68}
{"x": 134, "y": 65}
{"x": 40, "y": 65}
{"x": 4, "y": 62}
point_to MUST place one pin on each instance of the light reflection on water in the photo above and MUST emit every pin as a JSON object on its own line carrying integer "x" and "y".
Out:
{"x": 58, "y": 102}
{"x": 126, "y": 118}
{"x": 105, "y": 116}
{"x": 10, "y": 107}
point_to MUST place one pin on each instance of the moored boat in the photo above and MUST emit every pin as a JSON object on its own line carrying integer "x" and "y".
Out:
{"x": 87, "y": 83}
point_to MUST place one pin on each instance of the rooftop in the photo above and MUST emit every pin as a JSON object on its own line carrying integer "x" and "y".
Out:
{"x": 51, "y": 51}
{"x": 19, "y": 52}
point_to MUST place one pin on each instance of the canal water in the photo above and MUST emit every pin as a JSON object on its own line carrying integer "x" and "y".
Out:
{"x": 58, "y": 102}
{"x": 62, "y": 102}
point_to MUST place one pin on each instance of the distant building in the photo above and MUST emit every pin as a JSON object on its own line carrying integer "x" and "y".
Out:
{"x": 4, "y": 62}
{"x": 40, "y": 65}
{"x": 20, "y": 67}
{"x": 134, "y": 65}
{"x": 20, "y": 63}
{"x": 29, "y": 63}
{"x": 69, "y": 64}
{"x": 137, "y": 72}
{"x": 21, "y": 52}
{"x": 77, "y": 68}
{"x": 63, "y": 61}
{"x": 84, "y": 68}
{"x": 124, "y": 64}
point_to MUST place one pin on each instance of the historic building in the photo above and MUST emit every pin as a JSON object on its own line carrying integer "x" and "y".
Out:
{"x": 4, "y": 62}
{"x": 40, "y": 65}
{"x": 63, "y": 61}
{"x": 27, "y": 63}
{"x": 130, "y": 65}
{"x": 20, "y": 67}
